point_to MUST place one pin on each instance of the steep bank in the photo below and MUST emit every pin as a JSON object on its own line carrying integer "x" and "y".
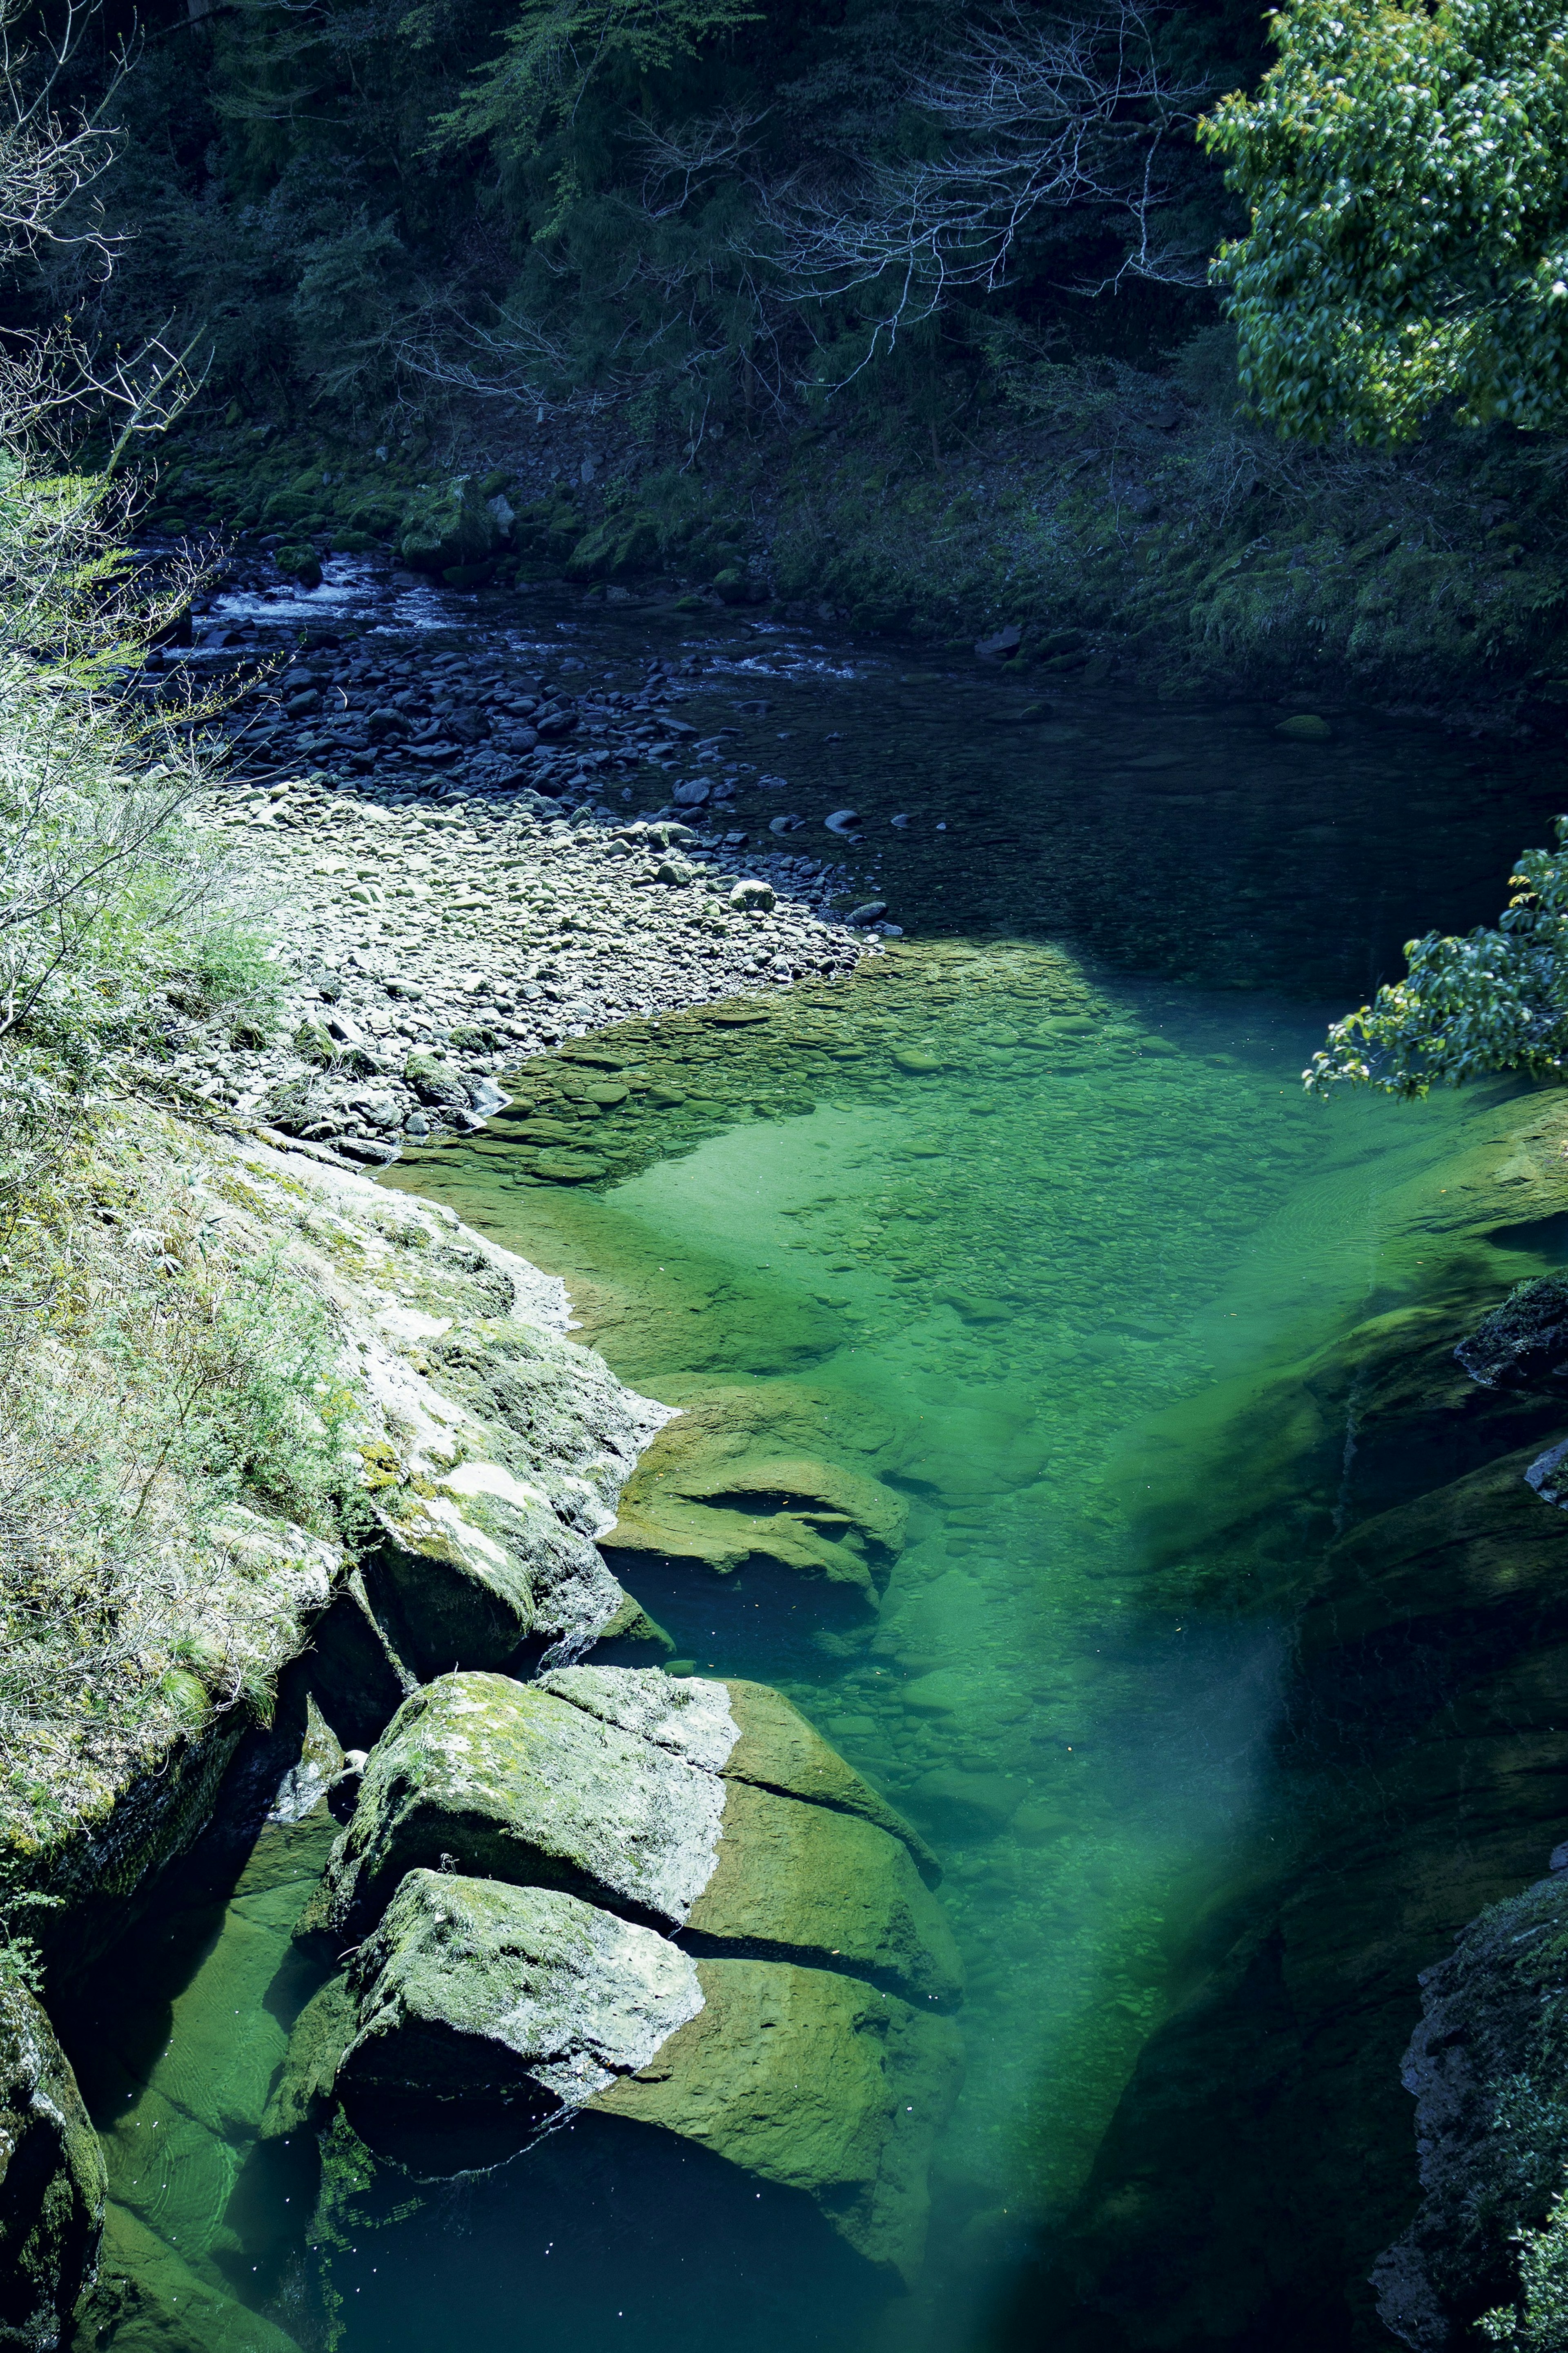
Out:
{"x": 481, "y": 1454}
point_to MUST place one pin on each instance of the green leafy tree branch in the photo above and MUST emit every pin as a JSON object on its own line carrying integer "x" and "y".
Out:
{"x": 1408, "y": 246}
{"x": 1494, "y": 1001}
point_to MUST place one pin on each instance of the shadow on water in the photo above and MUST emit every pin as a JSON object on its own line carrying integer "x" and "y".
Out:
{"x": 1102, "y": 1328}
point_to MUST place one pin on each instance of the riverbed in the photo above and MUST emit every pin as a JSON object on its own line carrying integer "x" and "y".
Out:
{"x": 1022, "y": 1211}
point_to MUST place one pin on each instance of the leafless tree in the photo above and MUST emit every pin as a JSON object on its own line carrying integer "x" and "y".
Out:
{"x": 1033, "y": 118}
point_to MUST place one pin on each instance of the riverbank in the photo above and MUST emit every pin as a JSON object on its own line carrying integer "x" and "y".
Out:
{"x": 1093, "y": 520}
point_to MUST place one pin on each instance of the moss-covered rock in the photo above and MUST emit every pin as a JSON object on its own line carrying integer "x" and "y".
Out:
{"x": 453, "y": 525}
{"x": 486, "y": 1994}
{"x": 51, "y": 2180}
{"x": 619, "y": 544}
{"x": 519, "y": 1783}
{"x": 513, "y": 1782}
{"x": 776, "y": 1748}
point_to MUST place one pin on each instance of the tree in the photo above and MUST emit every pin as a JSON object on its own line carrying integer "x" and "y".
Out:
{"x": 1494, "y": 1001}
{"x": 1408, "y": 246}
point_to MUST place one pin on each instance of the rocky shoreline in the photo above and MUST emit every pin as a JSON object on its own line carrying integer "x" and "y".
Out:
{"x": 432, "y": 929}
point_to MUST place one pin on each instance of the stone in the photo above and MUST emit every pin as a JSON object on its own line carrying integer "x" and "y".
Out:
{"x": 844, "y": 820}
{"x": 966, "y": 1804}
{"x": 861, "y": 918}
{"x": 435, "y": 1083}
{"x": 749, "y": 893}
{"x": 1305, "y": 727}
{"x": 776, "y": 1748}
{"x": 1523, "y": 1344}
{"x": 514, "y": 1781}
{"x": 450, "y": 526}
{"x": 529, "y": 1998}
{"x": 918, "y": 1060}
{"x": 51, "y": 2180}
{"x": 570, "y": 1168}
{"x": 939, "y": 1693}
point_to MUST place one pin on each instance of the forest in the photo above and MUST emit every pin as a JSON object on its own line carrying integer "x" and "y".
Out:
{"x": 912, "y": 311}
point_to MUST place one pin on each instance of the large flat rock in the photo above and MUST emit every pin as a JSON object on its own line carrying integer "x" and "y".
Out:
{"x": 517, "y": 1782}
{"x": 761, "y": 1739}
{"x": 526, "y": 1998}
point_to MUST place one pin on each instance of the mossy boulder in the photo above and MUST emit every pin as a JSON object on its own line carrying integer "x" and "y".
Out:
{"x": 515, "y": 1781}
{"x": 450, "y": 526}
{"x": 302, "y": 563}
{"x": 436, "y": 1082}
{"x": 548, "y": 529}
{"x": 619, "y": 544}
{"x": 776, "y": 1748}
{"x": 526, "y": 1998}
{"x": 51, "y": 2180}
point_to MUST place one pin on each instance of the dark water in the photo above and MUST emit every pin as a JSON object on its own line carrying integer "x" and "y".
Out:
{"x": 1028, "y": 1211}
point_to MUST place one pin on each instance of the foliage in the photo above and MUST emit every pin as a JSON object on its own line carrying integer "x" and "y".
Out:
{"x": 557, "y": 47}
{"x": 1409, "y": 239}
{"x": 1494, "y": 1000}
{"x": 1539, "y": 2323}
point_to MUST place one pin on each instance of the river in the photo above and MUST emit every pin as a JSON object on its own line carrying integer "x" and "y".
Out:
{"x": 1019, "y": 1220}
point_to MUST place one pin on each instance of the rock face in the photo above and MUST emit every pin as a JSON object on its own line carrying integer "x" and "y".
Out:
{"x": 51, "y": 2181}
{"x": 523, "y": 1848}
{"x": 1523, "y": 1344}
{"x": 1485, "y": 2066}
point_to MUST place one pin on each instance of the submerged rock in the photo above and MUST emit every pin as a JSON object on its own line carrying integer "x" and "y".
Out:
{"x": 721, "y": 1486}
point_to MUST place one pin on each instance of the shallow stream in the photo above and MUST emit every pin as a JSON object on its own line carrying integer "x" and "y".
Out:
{"x": 1003, "y": 1217}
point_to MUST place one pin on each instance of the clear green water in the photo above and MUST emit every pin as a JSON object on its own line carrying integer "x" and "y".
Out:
{"x": 1026, "y": 1283}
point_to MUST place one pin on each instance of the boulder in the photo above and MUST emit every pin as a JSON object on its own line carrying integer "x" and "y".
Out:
{"x": 513, "y": 1782}
{"x": 776, "y": 1748}
{"x": 519, "y": 1783}
{"x": 608, "y": 550}
{"x": 528, "y": 2000}
{"x": 452, "y": 526}
{"x": 448, "y": 1590}
{"x": 51, "y": 2180}
{"x": 436, "y": 1082}
{"x": 1523, "y": 1344}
